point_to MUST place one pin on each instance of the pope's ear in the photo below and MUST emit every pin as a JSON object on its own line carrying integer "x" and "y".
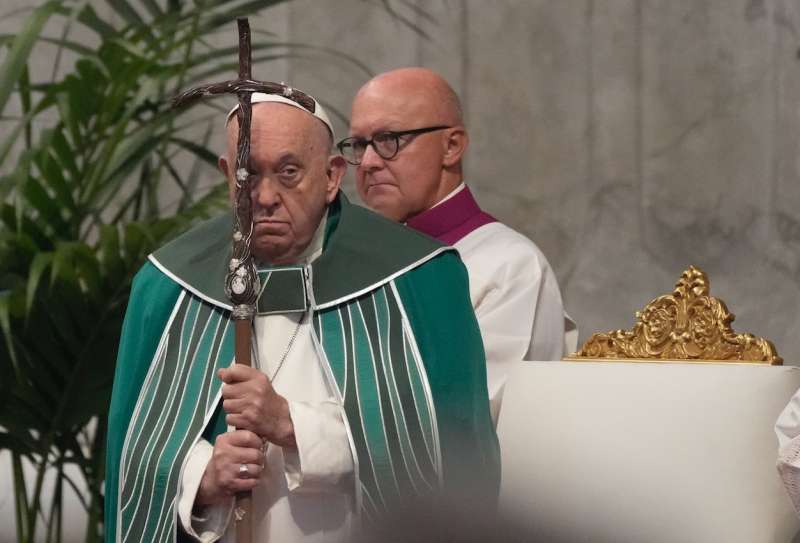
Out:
{"x": 455, "y": 145}
{"x": 225, "y": 168}
{"x": 337, "y": 166}
{"x": 222, "y": 162}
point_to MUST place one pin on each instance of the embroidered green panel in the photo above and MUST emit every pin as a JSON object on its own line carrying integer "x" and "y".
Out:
{"x": 180, "y": 389}
{"x": 376, "y": 369}
{"x": 283, "y": 290}
{"x": 390, "y": 410}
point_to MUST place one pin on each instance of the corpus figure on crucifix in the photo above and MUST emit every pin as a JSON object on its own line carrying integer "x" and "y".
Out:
{"x": 367, "y": 391}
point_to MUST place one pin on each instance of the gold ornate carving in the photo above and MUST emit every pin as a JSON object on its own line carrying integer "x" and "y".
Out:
{"x": 688, "y": 324}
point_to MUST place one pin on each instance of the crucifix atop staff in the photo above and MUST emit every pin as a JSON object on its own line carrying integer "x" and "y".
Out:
{"x": 241, "y": 281}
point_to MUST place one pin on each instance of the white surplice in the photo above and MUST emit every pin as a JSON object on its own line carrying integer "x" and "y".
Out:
{"x": 787, "y": 429}
{"x": 305, "y": 495}
{"x": 513, "y": 291}
{"x": 517, "y": 303}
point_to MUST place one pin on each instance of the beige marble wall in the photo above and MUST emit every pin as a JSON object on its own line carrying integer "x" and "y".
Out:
{"x": 627, "y": 138}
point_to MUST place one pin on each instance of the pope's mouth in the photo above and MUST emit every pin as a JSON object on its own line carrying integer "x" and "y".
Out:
{"x": 267, "y": 227}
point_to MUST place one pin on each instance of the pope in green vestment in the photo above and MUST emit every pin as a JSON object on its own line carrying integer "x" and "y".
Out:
{"x": 395, "y": 334}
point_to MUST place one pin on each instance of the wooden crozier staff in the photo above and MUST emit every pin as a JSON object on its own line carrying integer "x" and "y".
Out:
{"x": 241, "y": 282}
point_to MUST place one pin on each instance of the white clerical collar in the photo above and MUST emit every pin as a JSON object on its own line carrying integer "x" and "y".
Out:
{"x": 455, "y": 191}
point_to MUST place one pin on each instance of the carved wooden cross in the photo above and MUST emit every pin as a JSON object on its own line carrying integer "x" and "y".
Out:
{"x": 241, "y": 281}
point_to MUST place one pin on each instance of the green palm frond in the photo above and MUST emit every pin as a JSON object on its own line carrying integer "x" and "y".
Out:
{"x": 16, "y": 60}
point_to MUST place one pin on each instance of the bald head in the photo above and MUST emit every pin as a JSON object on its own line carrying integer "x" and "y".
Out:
{"x": 427, "y": 165}
{"x": 420, "y": 89}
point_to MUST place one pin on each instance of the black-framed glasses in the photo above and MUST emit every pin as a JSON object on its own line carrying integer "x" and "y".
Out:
{"x": 386, "y": 144}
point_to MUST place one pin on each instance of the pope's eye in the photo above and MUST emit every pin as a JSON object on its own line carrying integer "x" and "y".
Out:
{"x": 289, "y": 174}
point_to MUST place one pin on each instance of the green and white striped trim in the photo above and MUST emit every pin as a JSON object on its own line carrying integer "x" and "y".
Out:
{"x": 376, "y": 368}
{"x": 176, "y": 401}
{"x": 369, "y": 356}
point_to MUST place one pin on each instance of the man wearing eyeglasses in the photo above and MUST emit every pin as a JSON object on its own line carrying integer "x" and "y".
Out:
{"x": 407, "y": 140}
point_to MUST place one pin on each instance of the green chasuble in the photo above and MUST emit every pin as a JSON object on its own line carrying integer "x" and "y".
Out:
{"x": 395, "y": 333}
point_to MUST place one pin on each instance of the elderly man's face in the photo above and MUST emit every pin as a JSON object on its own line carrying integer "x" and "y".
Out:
{"x": 409, "y": 183}
{"x": 293, "y": 179}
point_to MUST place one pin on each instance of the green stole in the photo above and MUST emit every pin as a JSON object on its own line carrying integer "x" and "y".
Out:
{"x": 365, "y": 342}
